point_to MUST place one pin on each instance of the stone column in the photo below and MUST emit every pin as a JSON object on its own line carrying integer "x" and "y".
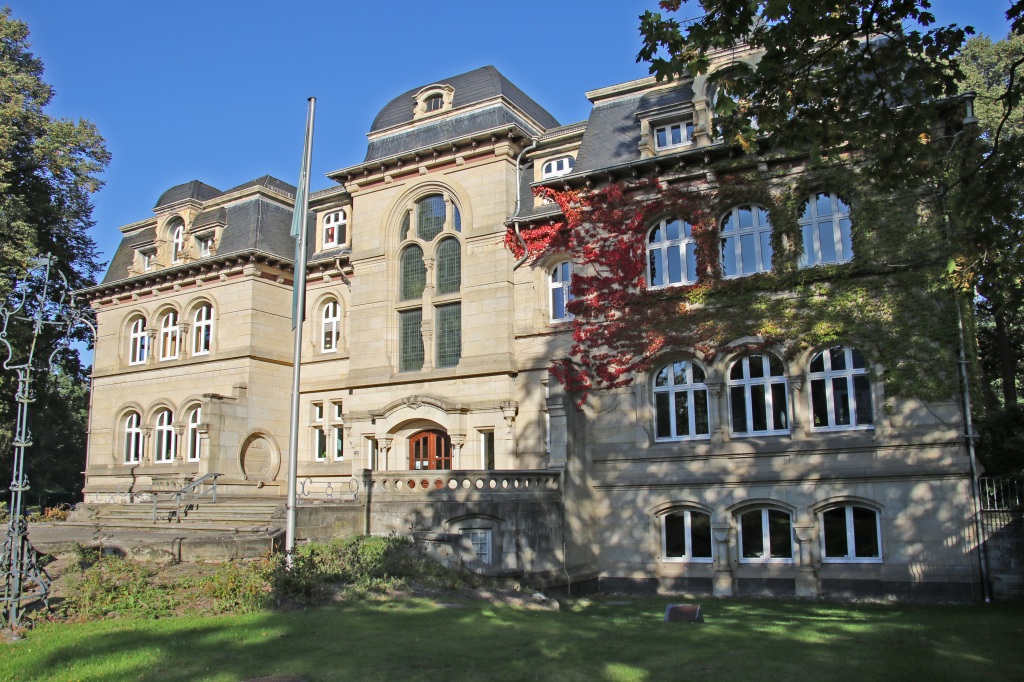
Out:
{"x": 152, "y": 350}
{"x": 179, "y": 444}
{"x": 147, "y": 445}
{"x": 383, "y": 453}
{"x": 806, "y": 578}
{"x": 458, "y": 441}
{"x": 798, "y": 403}
{"x": 427, "y": 325}
{"x": 183, "y": 348}
{"x": 722, "y": 582}
{"x": 717, "y": 411}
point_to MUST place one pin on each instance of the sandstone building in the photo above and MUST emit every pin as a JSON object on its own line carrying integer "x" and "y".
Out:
{"x": 427, "y": 396}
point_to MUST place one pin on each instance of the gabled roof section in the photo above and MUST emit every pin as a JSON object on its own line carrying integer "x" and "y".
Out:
{"x": 471, "y": 87}
{"x": 190, "y": 190}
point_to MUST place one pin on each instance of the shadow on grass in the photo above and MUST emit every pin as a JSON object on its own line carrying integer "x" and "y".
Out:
{"x": 414, "y": 640}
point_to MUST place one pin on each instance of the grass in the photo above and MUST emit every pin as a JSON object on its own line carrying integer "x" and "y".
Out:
{"x": 412, "y": 639}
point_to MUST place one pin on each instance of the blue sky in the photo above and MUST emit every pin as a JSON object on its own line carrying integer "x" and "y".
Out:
{"x": 216, "y": 90}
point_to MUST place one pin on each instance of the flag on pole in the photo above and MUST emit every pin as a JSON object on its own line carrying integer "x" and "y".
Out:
{"x": 299, "y": 222}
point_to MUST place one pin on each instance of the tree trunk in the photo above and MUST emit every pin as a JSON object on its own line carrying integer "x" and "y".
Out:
{"x": 1006, "y": 363}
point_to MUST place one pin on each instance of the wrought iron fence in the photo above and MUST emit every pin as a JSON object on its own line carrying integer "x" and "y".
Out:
{"x": 1001, "y": 493}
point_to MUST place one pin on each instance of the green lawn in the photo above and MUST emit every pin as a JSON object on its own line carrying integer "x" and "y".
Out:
{"x": 415, "y": 640}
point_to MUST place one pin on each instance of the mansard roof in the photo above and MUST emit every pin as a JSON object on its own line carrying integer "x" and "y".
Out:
{"x": 189, "y": 190}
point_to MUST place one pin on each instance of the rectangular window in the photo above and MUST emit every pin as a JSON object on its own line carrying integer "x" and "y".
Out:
{"x": 411, "y": 340}
{"x": 687, "y": 536}
{"x": 819, "y": 402}
{"x": 318, "y": 412}
{"x": 738, "y": 397}
{"x": 862, "y": 396}
{"x": 449, "y": 334}
{"x": 481, "y": 541}
{"x": 147, "y": 261}
{"x": 321, "y": 444}
{"x": 204, "y": 246}
{"x": 487, "y": 443}
{"x": 339, "y": 443}
{"x": 673, "y": 135}
{"x": 337, "y": 410}
{"x": 371, "y": 454}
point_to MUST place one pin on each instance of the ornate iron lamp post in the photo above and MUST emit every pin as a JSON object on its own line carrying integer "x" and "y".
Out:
{"x": 41, "y": 299}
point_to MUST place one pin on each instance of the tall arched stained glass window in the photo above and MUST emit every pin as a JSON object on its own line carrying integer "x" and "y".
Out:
{"x": 430, "y": 215}
{"x": 449, "y": 267}
{"x": 413, "y": 273}
{"x": 458, "y": 218}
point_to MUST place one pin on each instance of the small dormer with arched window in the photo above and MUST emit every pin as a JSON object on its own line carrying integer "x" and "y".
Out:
{"x": 433, "y": 100}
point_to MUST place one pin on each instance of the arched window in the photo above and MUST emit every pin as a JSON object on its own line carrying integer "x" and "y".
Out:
{"x": 331, "y": 326}
{"x": 449, "y": 267}
{"x": 746, "y": 241}
{"x": 840, "y": 390}
{"x": 686, "y": 536}
{"x": 194, "y": 442}
{"x": 169, "y": 337}
{"x": 139, "y": 342}
{"x": 671, "y": 254}
{"x": 681, "y": 402}
{"x": 413, "y": 273}
{"x": 202, "y": 330}
{"x": 164, "y": 437}
{"x": 430, "y": 215}
{"x": 757, "y": 395}
{"x": 557, "y": 167}
{"x": 850, "y": 534}
{"x": 826, "y": 226}
{"x": 560, "y": 286}
{"x": 132, "y": 438}
{"x": 430, "y": 450}
{"x": 766, "y": 536}
{"x": 178, "y": 244}
{"x": 433, "y": 102}
{"x": 335, "y": 228}
{"x": 458, "y": 218}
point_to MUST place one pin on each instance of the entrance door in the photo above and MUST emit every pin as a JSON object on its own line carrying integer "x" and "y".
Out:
{"x": 430, "y": 450}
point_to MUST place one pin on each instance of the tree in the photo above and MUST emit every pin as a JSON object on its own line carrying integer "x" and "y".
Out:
{"x": 48, "y": 171}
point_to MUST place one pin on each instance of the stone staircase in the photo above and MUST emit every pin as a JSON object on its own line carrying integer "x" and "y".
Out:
{"x": 226, "y": 515}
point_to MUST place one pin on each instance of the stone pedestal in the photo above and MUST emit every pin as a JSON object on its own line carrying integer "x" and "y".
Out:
{"x": 806, "y": 577}
{"x": 722, "y": 581}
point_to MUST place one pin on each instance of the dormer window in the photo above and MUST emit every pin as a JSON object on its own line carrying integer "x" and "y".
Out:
{"x": 335, "y": 227}
{"x": 147, "y": 260}
{"x": 433, "y": 99}
{"x": 673, "y": 135}
{"x": 178, "y": 244}
{"x": 557, "y": 167}
{"x": 205, "y": 245}
{"x": 434, "y": 102}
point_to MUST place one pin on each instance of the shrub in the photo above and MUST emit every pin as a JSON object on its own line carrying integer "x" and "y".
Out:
{"x": 115, "y": 585}
{"x": 237, "y": 587}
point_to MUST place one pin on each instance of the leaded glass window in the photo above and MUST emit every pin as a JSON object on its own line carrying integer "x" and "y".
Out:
{"x": 430, "y": 214}
{"x": 457, "y": 218}
{"x": 413, "y": 273}
{"x": 449, "y": 267}
{"x": 411, "y": 340}
{"x": 449, "y": 334}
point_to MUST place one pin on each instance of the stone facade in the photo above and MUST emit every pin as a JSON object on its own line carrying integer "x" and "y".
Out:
{"x": 612, "y": 498}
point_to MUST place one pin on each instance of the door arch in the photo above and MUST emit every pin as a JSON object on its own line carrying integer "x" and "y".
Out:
{"x": 430, "y": 450}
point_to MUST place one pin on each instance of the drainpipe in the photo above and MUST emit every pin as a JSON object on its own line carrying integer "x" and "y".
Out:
{"x": 519, "y": 200}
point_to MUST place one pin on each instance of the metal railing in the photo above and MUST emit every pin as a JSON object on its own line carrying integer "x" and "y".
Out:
{"x": 1001, "y": 494}
{"x": 190, "y": 488}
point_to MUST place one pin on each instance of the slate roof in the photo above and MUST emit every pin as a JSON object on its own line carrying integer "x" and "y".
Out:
{"x": 213, "y": 216}
{"x": 470, "y": 88}
{"x": 189, "y": 190}
{"x": 266, "y": 181}
{"x": 125, "y": 253}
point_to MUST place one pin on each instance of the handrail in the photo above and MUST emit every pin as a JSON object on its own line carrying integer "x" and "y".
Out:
{"x": 191, "y": 487}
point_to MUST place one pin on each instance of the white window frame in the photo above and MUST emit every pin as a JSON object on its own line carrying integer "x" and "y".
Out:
{"x": 169, "y": 336}
{"x": 765, "y": 539}
{"x": 133, "y": 438}
{"x": 736, "y": 233}
{"x": 330, "y": 319}
{"x": 809, "y": 226}
{"x": 178, "y": 244}
{"x": 332, "y": 221}
{"x": 338, "y": 410}
{"x": 568, "y": 164}
{"x": 556, "y": 281}
{"x": 485, "y": 533}
{"x": 202, "y": 330}
{"x": 166, "y": 443}
{"x": 766, "y": 380}
{"x": 430, "y": 97}
{"x": 671, "y": 388}
{"x": 195, "y": 444}
{"x": 318, "y": 412}
{"x": 339, "y": 438}
{"x": 147, "y": 260}
{"x": 139, "y": 348}
{"x": 685, "y": 128}
{"x": 827, "y": 376}
{"x": 320, "y": 442}
{"x": 851, "y": 548}
{"x": 484, "y": 433}
{"x": 663, "y": 245}
{"x": 688, "y": 558}
{"x": 205, "y": 245}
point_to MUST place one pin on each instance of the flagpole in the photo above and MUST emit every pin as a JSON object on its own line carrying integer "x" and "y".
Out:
{"x": 298, "y": 314}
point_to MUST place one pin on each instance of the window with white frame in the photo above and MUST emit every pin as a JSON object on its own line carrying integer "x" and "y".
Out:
{"x": 165, "y": 440}
{"x": 339, "y": 442}
{"x": 480, "y": 538}
{"x": 840, "y": 390}
{"x": 205, "y": 245}
{"x": 671, "y": 254}
{"x": 672, "y": 135}
{"x": 331, "y": 326}
{"x": 202, "y": 330}
{"x": 681, "y": 402}
{"x": 321, "y": 443}
{"x": 335, "y": 225}
{"x": 434, "y": 102}
{"x": 132, "y": 438}
{"x": 746, "y": 241}
{"x": 826, "y": 227}
{"x": 139, "y": 342}
{"x": 758, "y": 395}
{"x": 686, "y": 536}
{"x": 169, "y": 336}
{"x": 560, "y": 291}
{"x": 147, "y": 261}
{"x": 194, "y": 442}
{"x": 487, "y": 450}
{"x": 557, "y": 167}
{"x": 850, "y": 534}
{"x": 766, "y": 536}
{"x": 318, "y": 412}
{"x": 178, "y": 244}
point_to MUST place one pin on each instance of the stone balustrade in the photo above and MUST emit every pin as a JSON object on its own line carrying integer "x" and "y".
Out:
{"x": 491, "y": 482}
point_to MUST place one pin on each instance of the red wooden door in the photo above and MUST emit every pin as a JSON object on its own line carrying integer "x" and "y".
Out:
{"x": 430, "y": 450}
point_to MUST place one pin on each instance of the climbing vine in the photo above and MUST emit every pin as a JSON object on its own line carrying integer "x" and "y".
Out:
{"x": 893, "y": 301}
